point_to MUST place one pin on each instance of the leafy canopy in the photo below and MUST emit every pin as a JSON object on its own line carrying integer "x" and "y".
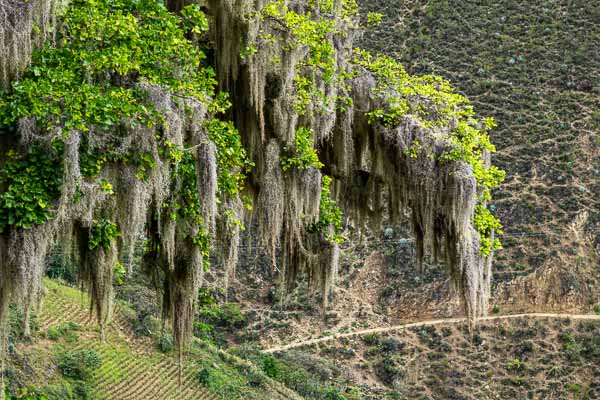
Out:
{"x": 104, "y": 49}
{"x": 32, "y": 183}
{"x": 92, "y": 79}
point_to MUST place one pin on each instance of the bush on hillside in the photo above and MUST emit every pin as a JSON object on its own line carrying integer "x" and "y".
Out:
{"x": 79, "y": 364}
{"x": 165, "y": 342}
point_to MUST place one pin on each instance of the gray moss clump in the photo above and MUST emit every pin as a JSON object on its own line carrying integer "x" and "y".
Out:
{"x": 369, "y": 160}
{"x": 24, "y": 25}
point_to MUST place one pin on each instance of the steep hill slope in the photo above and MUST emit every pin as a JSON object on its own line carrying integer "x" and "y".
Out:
{"x": 130, "y": 368}
{"x": 517, "y": 358}
{"x": 534, "y": 66}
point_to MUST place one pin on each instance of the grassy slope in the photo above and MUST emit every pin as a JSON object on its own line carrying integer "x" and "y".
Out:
{"x": 132, "y": 368}
{"x": 534, "y": 66}
{"x": 516, "y": 359}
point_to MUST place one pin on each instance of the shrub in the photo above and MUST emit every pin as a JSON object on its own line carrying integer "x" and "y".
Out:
{"x": 145, "y": 324}
{"x": 203, "y": 377}
{"x": 390, "y": 345}
{"x": 572, "y": 348}
{"x": 82, "y": 391}
{"x": 372, "y": 339}
{"x": 387, "y": 371}
{"x": 227, "y": 316}
{"x": 66, "y": 329}
{"x": 165, "y": 342}
{"x": 525, "y": 347}
{"x": 333, "y": 394}
{"x": 270, "y": 367}
{"x": 574, "y": 388}
{"x": 79, "y": 364}
{"x": 15, "y": 322}
{"x": 231, "y": 316}
{"x": 515, "y": 365}
{"x": 203, "y": 331}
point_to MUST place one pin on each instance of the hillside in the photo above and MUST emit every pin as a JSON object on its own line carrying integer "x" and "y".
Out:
{"x": 550, "y": 358}
{"x": 299, "y": 199}
{"x": 534, "y": 66}
{"x": 516, "y": 358}
{"x": 130, "y": 367}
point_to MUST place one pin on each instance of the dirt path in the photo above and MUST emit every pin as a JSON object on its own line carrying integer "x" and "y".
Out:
{"x": 427, "y": 323}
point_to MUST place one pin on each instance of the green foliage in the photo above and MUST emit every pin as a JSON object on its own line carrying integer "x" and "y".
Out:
{"x": 66, "y": 330}
{"x": 119, "y": 273}
{"x": 434, "y": 103}
{"x": 79, "y": 364}
{"x": 371, "y": 339}
{"x": 211, "y": 316}
{"x": 428, "y": 98}
{"x": 374, "y": 19}
{"x": 102, "y": 233}
{"x": 232, "y": 166}
{"x": 308, "y": 32}
{"x": 231, "y": 316}
{"x": 270, "y": 367}
{"x": 303, "y": 155}
{"x": 186, "y": 172}
{"x": 106, "y": 187}
{"x": 61, "y": 268}
{"x": 33, "y": 394}
{"x": 127, "y": 41}
{"x": 232, "y": 161}
{"x": 311, "y": 30}
{"x": 574, "y": 387}
{"x": 92, "y": 75}
{"x": 32, "y": 184}
{"x": 515, "y": 365}
{"x": 204, "y": 377}
{"x": 330, "y": 215}
{"x": 14, "y": 325}
{"x": 91, "y": 163}
{"x": 414, "y": 150}
{"x": 228, "y": 383}
{"x": 486, "y": 223}
{"x": 247, "y": 52}
{"x": 333, "y": 394}
{"x": 189, "y": 207}
{"x": 164, "y": 343}
{"x": 572, "y": 347}
{"x": 311, "y": 377}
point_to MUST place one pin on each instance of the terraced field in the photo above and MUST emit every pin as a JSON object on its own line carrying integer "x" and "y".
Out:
{"x": 129, "y": 370}
{"x": 132, "y": 368}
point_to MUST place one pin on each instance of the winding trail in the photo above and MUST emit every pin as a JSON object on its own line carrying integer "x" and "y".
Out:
{"x": 309, "y": 342}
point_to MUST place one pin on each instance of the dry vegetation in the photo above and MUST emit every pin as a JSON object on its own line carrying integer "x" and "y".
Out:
{"x": 541, "y": 359}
